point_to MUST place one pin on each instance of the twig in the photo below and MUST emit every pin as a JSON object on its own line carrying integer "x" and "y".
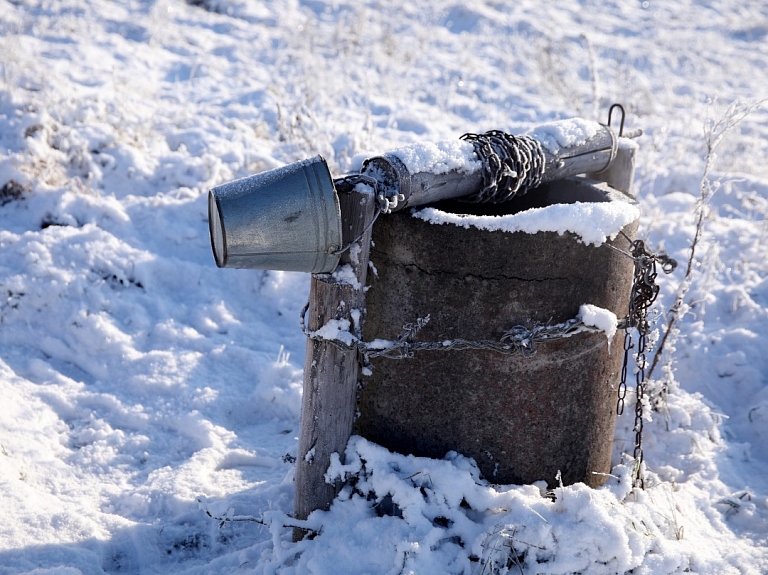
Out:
{"x": 231, "y": 518}
{"x": 714, "y": 133}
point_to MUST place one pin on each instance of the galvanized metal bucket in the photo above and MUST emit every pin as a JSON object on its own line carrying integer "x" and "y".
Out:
{"x": 284, "y": 219}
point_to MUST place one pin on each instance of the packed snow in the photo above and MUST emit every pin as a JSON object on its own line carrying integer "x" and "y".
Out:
{"x": 439, "y": 157}
{"x": 570, "y": 133}
{"x": 335, "y": 329}
{"x": 150, "y": 401}
{"x": 601, "y": 318}
{"x": 591, "y": 222}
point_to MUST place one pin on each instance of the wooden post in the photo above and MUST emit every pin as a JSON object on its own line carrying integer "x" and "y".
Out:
{"x": 621, "y": 173}
{"x": 330, "y": 373}
{"x": 422, "y": 188}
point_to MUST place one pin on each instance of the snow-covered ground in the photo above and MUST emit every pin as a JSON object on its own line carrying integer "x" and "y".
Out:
{"x": 141, "y": 386}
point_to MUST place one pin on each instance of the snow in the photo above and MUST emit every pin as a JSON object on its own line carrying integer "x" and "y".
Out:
{"x": 139, "y": 382}
{"x": 439, "y": 157}
{"x": 593, "y": 223}
{"x": 627, "y": 144}
{"x": 603, "y": 319}
{"x": 569, "y": 133}
{"x": 335, "y": 329}
{"x": 344, "y": 274}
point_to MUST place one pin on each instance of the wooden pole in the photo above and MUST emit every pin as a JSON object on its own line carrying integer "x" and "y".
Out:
{"x": 420, "y": 188}
{"x": 330, "y": 373}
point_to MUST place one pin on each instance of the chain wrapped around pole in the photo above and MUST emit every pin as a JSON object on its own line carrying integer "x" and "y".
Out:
{"x": 499, "y": 167}
{"x": 512, "y": 165}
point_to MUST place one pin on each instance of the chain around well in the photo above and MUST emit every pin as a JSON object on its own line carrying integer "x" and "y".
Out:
{"x": 644, "y": 292}
{"x": 517, "y": 340}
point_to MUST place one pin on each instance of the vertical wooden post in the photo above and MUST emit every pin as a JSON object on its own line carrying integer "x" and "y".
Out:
{"x": 621, "y": 173}
{"x": 330, "y": 373}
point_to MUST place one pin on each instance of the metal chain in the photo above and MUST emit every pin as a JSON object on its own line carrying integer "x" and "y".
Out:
{"x": 644, "y": 292}
{"x": 385, "y": 204}
{"x": 518, "y": 339}
{"x": 346, "y": 185}
{"x": 511, "y": 165}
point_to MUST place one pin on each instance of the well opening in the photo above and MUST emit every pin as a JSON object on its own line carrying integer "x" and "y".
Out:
{"x": 567, "y": 191}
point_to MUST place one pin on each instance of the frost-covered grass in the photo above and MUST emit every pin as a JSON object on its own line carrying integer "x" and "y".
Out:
{"x": 137, "y": 378}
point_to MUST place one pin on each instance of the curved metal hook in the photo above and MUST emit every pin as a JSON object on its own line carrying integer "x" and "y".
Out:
{"x": 623, "y": 115}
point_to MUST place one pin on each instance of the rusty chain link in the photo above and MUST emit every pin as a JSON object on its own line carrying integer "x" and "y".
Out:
{"x": 644, "y": 292}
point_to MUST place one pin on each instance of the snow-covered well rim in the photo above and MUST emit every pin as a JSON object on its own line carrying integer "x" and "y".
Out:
{"x": 592, "y": 222}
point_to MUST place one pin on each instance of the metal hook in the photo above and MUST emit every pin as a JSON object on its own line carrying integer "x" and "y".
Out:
{"x": 623, "y": 115}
